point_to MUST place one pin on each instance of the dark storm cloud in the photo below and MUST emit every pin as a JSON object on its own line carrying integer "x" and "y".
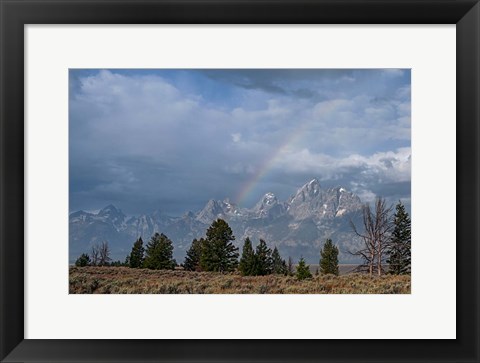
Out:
{"x": 314, "y": 84}
{"x": 275, "y": 81}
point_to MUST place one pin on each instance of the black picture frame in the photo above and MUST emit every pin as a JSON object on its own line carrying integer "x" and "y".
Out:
{"x": 17, "y": 13}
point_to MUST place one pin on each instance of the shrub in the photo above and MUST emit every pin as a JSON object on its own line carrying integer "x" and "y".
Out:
{"x": 303, "y": 270}
{"x": 83, "y": 260}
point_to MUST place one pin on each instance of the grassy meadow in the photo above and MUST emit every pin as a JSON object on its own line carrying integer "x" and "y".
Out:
{"x": 124, "y": 280}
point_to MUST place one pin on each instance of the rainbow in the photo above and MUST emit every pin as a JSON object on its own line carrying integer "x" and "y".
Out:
{"x": 267, "y": 164}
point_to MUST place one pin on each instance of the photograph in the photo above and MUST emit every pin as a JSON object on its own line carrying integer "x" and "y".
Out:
{"x": 239, "y": 181}
{"x": 247, "y": 175}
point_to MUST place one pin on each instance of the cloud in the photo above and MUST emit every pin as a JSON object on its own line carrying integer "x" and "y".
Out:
{"x": 367, "y": 196}
{"x": 236, "y": 137}
{"x": 167, "y": 139}
{"x": 392, "y": 72}
{"x": 391, "y": 166}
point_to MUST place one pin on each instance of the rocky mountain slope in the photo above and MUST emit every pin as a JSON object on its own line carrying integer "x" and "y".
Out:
{"x": 298, "y": 226}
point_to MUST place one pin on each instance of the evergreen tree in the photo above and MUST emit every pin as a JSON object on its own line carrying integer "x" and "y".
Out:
{"x": 399, "y": 251}
{"x": 247, "y": 261}
{"x": 83, "y": 260}
{"x": 263, "y": 259}
{"x": 159, "y": 253}
{"x": 219, "y": 254}
{"x": 194, "y": 253}
{"x": 329, "y": 258}
{"x": 136, "y": 256}
{"x": 303, "y": 270}
{"x": 279, "y": 266}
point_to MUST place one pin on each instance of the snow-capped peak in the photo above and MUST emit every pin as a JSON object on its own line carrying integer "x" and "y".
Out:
{"x": 309, "y": 190}
{"x": 110, "y": 211}
{"x": 269, "y": 197}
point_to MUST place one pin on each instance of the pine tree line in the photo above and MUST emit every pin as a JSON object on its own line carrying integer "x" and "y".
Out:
{"x": 158, "y": 255}
{"x": 263, "y": 261}
{"x": 216, "y": 252}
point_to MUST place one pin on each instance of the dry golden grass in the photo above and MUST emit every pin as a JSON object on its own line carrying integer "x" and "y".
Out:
{"x": 123, "y": 280}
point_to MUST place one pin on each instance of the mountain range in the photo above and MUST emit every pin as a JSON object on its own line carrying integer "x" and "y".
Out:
{"x": 297, "y": 226}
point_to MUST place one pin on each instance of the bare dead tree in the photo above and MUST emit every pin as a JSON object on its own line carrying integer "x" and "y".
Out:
{"x": 367, "y": 253}
{"x": 95, "y": 254}
{"x": 377, "y": 227}
{"x": 104, "y": 254}
{"x": 384, "y": 223}
{"x": 290, "y": 266}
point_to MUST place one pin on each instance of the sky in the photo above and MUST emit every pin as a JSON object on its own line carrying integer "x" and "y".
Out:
{"x": 170, "y": 140}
